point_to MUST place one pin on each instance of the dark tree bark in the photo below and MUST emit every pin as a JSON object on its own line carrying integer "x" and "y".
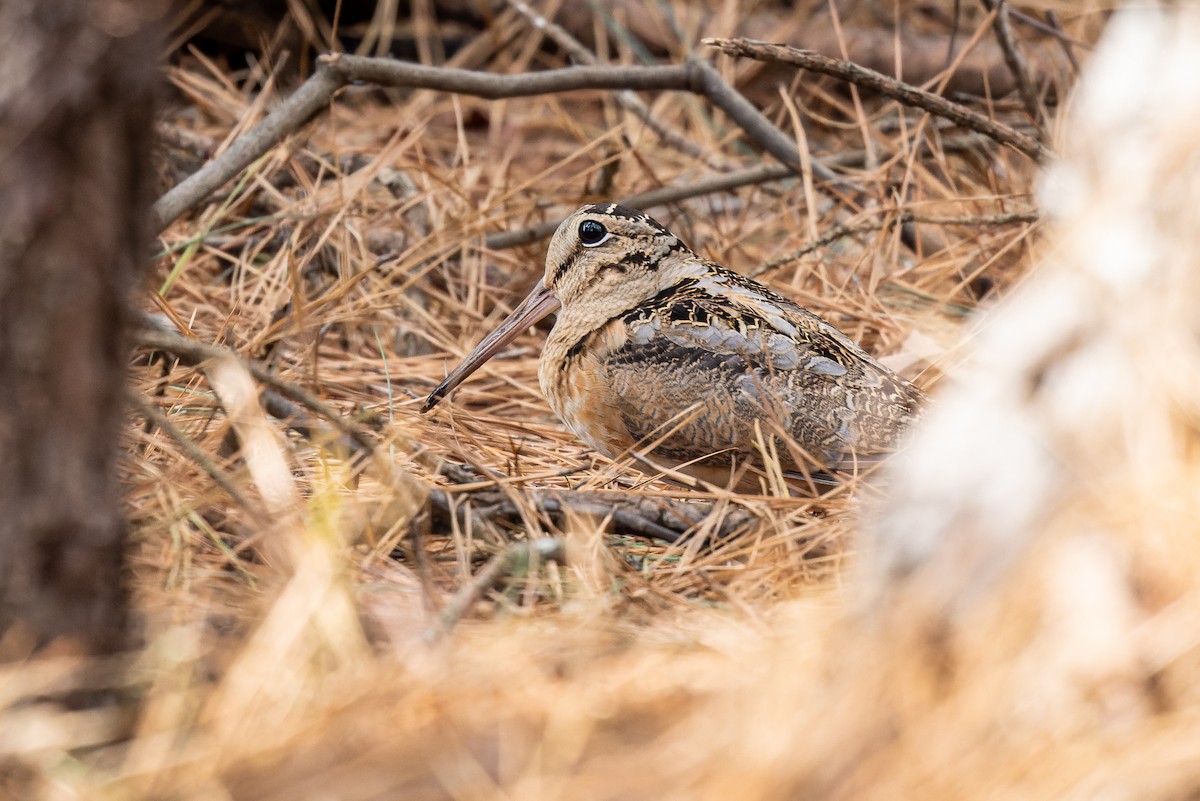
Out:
{"x": 77, "y": 78}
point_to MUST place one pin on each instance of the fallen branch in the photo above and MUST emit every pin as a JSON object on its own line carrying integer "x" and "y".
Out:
{"x": 278, "y": 404}
{"x": 876, "y": 81}
{"x": 335, "y": 71}
{"x": 665, "y": 519}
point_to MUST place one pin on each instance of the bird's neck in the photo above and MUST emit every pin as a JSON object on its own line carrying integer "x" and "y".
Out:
{"x": 613, "y": 295}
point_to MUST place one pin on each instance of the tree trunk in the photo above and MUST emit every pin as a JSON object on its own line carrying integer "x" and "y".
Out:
{"x": 76, "y": 84}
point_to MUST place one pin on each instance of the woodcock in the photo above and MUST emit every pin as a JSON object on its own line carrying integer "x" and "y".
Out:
{"x": 668, "y": 356}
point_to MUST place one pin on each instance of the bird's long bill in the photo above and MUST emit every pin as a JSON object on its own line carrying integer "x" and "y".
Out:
{"x": 537, "y": 304}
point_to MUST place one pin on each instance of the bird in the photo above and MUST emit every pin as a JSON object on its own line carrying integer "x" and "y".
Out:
{"x": 661, "y": 354}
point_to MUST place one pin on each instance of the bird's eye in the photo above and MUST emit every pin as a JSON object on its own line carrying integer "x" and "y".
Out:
{"x": 592, "y": 233}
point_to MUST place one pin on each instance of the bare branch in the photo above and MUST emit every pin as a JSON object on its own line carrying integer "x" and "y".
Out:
{"x": 905, "y": 93}
{"x": 193, "y": 451}
{"x": 751, "y": 120}
{"x": 903, "y": 218}
{"x": 654, "y": 197}
{"x": 625, "y": 98}
{"x": 1014, "y": 60}
{"x": 649, "y": 517}
{"x": 1068, "y": 44}
{"x": 497, "y": 86}
{"x": 193, "y": 353}
{"x": 293, "y": 112}
{"x": 501, "y": 565}
{"x": 661, "y": 196}
{"x": 336, "y": 71}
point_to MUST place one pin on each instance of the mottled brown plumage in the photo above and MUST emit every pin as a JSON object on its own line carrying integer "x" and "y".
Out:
{"x": 655, "y": 346}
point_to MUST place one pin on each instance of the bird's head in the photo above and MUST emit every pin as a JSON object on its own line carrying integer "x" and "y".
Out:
{"x": 603, "y": 260}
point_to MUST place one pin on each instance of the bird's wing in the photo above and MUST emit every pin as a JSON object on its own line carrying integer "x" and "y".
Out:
{"x": 711, "y": 363}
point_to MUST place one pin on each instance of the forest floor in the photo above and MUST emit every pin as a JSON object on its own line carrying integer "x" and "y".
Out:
{"x": 417, "y": 612}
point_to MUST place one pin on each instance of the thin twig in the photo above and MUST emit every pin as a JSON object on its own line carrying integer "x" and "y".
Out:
{"x": 193, "y": 353}
{"x": 1051, "y": 28}
{"x": 1014, "y": 59}
{"x": 297, "y": 109}
{"x": 335, "y": 71}
{"x": 898, "y": 90}
{"x": 624, "y": 98}
{"x": 1068, "y": 44}
{"x": 648, "y": 200}
{"x": 482, "y": 581}
{"x": 193, "y": 451}
{"x": 952, "y": 39}
{"x": 500, "y": 565}
{"x": 417, "y": 531}
{"x": 902, "y": 218}
{"x": 665, "y": 519}
{"x": 665, "y": 195}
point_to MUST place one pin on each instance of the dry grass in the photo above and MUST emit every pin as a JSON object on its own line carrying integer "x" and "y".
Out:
{"x": 305, "y": 642}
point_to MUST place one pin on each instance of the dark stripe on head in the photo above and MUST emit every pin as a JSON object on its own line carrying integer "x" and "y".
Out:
{"x": 651, "y": 261}
{"x": 566, "y": 265}
{"x": 656, "y": 225}
{"x": 640, "y": 258}
{"x": 613, "y": 210}
{"x": 625, "y": 212}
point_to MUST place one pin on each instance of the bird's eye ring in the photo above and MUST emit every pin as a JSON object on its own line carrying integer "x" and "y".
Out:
{"x": 592, "y": 233}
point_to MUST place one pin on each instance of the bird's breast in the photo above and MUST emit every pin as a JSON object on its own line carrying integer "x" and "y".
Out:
{"x": 691, "y": 374}
{"x": 577, "y": 386}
